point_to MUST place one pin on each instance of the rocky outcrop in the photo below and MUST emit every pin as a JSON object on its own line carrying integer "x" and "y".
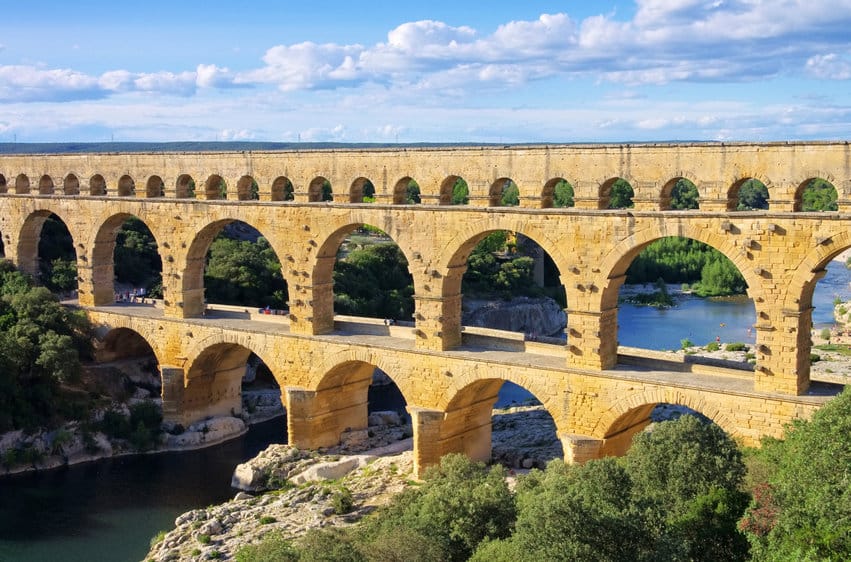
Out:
{"x": 540, "y": 316}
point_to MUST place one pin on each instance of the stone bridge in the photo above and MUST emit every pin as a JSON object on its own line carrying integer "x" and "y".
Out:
{"x": 449, "y": 375}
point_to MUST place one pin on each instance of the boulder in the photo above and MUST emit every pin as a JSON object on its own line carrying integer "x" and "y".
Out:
{"x": 537, "y": 316}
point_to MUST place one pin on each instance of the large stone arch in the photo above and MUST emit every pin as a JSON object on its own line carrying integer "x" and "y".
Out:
{"x": 29, "y": 236}
{"x": 123, "y": 339}
{"x": 213, "y": 381}
{"x": 329, "y": 364}
{"x": 192, "y": 270}
{"x": 321, "y": 291}
{"x": 629, "y": 415}
{"x": 103, "y": 253}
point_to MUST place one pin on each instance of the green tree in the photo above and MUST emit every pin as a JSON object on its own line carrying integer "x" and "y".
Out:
{"x": 244, "y": 272}
{"x": 374, "y": 282}
{"x": 819, "y": 195}
{"x": 720, "y": 277}
{"x": 137, "y": 258}
{"x": 753, "y": 195}
{"x": 412, "y": 193}
{"x": 460, "y": 504}
{"x": 620, "y": 195}
{"x": 803, "y": 510}
{"x": 510, "y": 194}
{"x": 563, "y": 194}
{"x": 460, "y": 192}
{"x": 326, "y": 192}
{"x": 684, "y": 195}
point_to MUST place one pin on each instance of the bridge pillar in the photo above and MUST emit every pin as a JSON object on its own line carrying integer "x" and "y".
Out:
{"x": 172, "y": 393}
{"x": 317, "y": 418}
{"x": 427, "y": 447}
{"x": 783, "y": 354}
{"x": 438, "y": 322}
{"x": 312, "y": 308}
{"x": 580, "y": 448}
{"x": 592, "y": 338}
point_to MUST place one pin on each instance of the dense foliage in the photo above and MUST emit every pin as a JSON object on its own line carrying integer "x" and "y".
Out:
{"x": 753, "y": 195}
{"x": 802, "y": 504}
{"x": 620, "y": 195}
{"x": 562, "y": 194}
{"x": 137, "y": 259}
{"x": 245, "y": 273}
{"x": 374, "y": 281}
{"x": 41, "y": 343}
{"x": 819, "y": 195}
{"x": 682, "y": 260}
{"x": 496, "y": 266}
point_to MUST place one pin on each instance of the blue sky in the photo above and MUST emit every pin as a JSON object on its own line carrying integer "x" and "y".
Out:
{"x": 381, "y": 71}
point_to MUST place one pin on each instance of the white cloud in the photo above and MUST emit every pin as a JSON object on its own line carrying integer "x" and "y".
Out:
{"x": 829, "y": 67}
{"x": 235, "y": 135}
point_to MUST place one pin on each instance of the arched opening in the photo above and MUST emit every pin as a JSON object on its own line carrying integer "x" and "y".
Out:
{"x": 557, "y": 193}
{"x": 97, "y": 185}
{"x": 620, "y": 434}
{"x": 511, "y": 283}
{"x": 247, "y": 189}
{"x": 137, "y": 262}
{"x": 126, "y": 366}
{"x": 155, "y": 187}
{"x": 682, "y": 294}
{"x": 126, "y": 186}
{"x": 370, "y": 273}
{"x": 214, "y": 384}
{"x": 282, "y": 189}
{"x": 616, "y": 193}
{"x": 406, "y": 192}
{"x": 680, "y": 194}
{"x": 22, "y": 184}
{"x": 71, "y": 185}
{"x": 362, "y": 191}
{"x": 499, "y": 421}
{"x": 815, "y": 195}
{"x": 231, "y": 263}
{"x": 4, "y": 187}
{"x": 748, "y": 194}
{"x": 185, "y": 187}
{"x": 215, "y": 188}
{"x": 45, "y": 185}
{"x": 504, "y": 193}
{"x": 261, "y": 393}
{"x": 57, "y": 257}
{"x": 454, "y": 191}
{"x": 358, "y": 405}
{"x": 319, "y": 190}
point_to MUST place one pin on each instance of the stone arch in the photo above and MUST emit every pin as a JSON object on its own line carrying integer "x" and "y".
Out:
{"x": 119, "y": 342}
{"x": 29, "y": 238}
{"x": 734, "y": 192}
{"x": 326, "y": 259}
{"x": 155, "y": 187}
{"x": 71, "y": 185}
{"x": 504, "y": 193}
{"x": 360, "y": 188}
{"x": 825, "y": 188}
{"x": 215, "y": 188}
{"x": 185, "y": 187}
{"x": 103, "y": 256}
{"x": 320, "y": 189}
{"x": 97, "y": 185}
{"x": 213, "y": 381}
{"x": 328, "y": 364}
{"x": 126, "y": 186}
{"x": 406, "y": 192}
{"x": 447, "y": 188}
{"x": 282, "y": 189}
{"x": 630, "y": 414}
{"x": 192, "y": 283}
{"x": 611, "y": 185}
{"x": 548, "y": 193}
{"x": 45, "y": 185}
{"x": 4, "y": 187}
{"x": 247, "y": 189}
{"x": 22, "y": 184}
{"x": 670, "y": 188}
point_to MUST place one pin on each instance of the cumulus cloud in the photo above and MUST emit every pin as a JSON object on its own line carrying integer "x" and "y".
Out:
{"x": 829, "y": 67}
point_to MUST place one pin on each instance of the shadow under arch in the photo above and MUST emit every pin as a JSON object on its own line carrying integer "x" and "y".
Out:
{"x": 97, "y": 185}
{"x": 71, "y": 185}
{"x": 192, "y": 283}
{"x": 341, "y": 400}
{"x": 103, "y": 256}
{"x": 213, "y": 382}
{"x": 184, "y": 187}
{"x": 468, "y": 423}
{"x": 633, "y": 413}
{"x": 45, "y": 185}
{"x": 4, "y": 185}
{"x": 282, "y": 189}
{"x": 121, "y": 342}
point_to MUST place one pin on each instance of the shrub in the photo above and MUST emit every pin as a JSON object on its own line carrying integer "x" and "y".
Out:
{"x": 158, "y": 538}
{"x": 685, "y": 343}
{"x": 266, "y": 519}
{"x": 204, "y": 539}
{"x": 825, "y": 334}
{"x": 814, "y": 358}
{"x": 713, "y": 346}
{"x": 342, "y": 501}
{"x": 736, "y": 346}
{"x": 272, "y": 548}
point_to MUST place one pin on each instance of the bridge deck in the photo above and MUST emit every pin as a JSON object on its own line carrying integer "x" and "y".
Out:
{"x": 363, "y": 333}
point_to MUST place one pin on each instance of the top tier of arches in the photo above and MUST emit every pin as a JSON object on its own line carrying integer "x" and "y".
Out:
{"x": 594, "y": 178}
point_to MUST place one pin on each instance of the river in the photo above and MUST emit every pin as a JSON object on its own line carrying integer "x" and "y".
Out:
{"x": 108, "y": 510}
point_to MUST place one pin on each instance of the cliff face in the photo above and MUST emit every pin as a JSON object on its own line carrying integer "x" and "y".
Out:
{"x": 537, "y": 316}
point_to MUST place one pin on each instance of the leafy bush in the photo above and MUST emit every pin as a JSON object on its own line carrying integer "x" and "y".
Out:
{"x": 342, "y": 500}
{"x": 273, "y": 548}
{"x": 736, "y": 346}
{"x": 685, "y": 343}
{"x": 713, "y": 346}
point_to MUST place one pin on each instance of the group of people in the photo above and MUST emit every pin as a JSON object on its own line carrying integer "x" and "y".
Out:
{"x": 134, "y": 295}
